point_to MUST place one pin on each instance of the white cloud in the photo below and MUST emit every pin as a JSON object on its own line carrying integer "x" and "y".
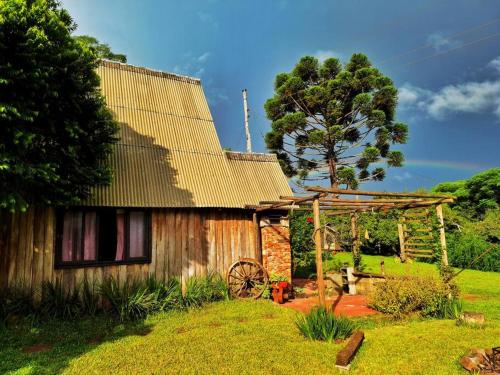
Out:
{"x": 466, "y": 97}
{"x": 404, "y": 176}
{"x": 409, "y": 95}
{"x": 441, "y": 43}
{"x": 192, "y": 65}
{"x": 204, "y": 57}
{"x": 495, "y": 64}
{"x": 208, "y": 19}
{"x": 322, "y": 55}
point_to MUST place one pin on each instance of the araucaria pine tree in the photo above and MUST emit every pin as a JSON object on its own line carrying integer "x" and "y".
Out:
{"x": 336, "y": 122}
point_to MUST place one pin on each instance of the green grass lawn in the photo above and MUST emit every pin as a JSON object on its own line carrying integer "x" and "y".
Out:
{"x": 253, "y": 337}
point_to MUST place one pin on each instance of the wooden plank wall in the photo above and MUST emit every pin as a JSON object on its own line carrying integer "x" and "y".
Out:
{"x": 185, "y": 243}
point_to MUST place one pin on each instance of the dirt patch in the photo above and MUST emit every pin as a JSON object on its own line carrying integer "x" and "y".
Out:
{"x": 180, "y": 330}
{"x": 215, "y": 324}
{"x": 471, "y": 297}
{"x": 342, "y": 305}
{"x": 242, "y": 320}
{"x": 37, "y": 348}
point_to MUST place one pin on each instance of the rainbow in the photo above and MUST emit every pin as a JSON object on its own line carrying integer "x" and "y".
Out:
{"x": 446, "y": 164}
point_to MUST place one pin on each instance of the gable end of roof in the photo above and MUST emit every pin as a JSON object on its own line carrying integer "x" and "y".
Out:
{"x": 148, "y": 71}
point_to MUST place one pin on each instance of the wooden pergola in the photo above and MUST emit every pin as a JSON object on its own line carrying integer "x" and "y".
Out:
{"x": 329, "y": 201}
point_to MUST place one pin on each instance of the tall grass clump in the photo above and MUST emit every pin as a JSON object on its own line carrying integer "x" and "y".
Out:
{"x": 129, "y": 301}
{"x": 205, "y": 289}
{"x": 167, "y": 295}
{"x": 59, "y": 302}
{"x": 450, "y": 308}
{"x": 89, "y": 298}
{"x": 402, "y": 296}
{"x": 322, "y": 325}
{"x": 15, "y": 302}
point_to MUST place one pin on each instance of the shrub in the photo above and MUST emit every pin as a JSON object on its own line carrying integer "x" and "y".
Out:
{"x": 168, "y": 295}
{"x": 17, "y": 301}
{"x": 129, "y": 301}
{"x": 406, "y": 295}
{"x": 201, "y": 290}
{"x": 89, "y": 297}
{"x": 321, "y": 324}
{"x": 463, "y": 248}
{"x": 58, "y": 302}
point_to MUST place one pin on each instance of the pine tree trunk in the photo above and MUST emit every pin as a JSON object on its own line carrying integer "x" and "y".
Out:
{"x": 332, "y": 166}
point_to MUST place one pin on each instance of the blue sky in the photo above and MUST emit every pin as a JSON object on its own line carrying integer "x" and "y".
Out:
{"x": 444, "y": 56}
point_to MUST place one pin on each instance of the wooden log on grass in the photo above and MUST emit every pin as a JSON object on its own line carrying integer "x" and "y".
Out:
{"x": 345, "y": 355}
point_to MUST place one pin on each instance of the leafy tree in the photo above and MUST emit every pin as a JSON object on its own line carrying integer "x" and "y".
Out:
{"x": 335, "y": 120}
{"x": 55, "y": 129}
{"x": 102, "y": 50}
{"x": 477, "y": 194}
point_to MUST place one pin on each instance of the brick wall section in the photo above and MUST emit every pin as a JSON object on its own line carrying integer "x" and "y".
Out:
{"x": 276, "y": 250}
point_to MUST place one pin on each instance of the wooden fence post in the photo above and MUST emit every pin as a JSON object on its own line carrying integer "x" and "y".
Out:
{"x": 355, "y": 238}
{"x": 319, "y": 255}
{"x": 442, "y": 236}
{"x": 401, "y": 234}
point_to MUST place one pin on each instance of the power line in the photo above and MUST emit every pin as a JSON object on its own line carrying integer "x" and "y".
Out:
{"x": 451, "y": 36}
{"x": 452, "y": 49}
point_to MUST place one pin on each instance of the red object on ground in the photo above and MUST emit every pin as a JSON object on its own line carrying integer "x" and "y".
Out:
{"x": 342, "y": 305}
{"x": 281, "y": 291}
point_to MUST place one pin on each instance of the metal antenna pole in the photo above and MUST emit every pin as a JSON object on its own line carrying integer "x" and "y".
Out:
{"x": 247, "y": 128}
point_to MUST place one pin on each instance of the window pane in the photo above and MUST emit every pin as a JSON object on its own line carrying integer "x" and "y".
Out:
{"x": 136, "y": 234}
{"x": 120, "y": 236}
{"x": 89, "y": 240}
{"x": 72, "y": 236}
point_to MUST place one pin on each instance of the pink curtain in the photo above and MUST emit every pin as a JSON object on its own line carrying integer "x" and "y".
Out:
{"x": 136, "y": 234}
{"x": 89, "y": 239}
{"x": 67, "y": 240}
{"x": 72, "y": 236}
{"x": 120, "y": 236}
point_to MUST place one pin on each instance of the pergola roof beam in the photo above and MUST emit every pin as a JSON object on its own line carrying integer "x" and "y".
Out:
{"x": 319, "y": 189}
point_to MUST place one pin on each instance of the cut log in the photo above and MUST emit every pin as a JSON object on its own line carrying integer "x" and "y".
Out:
{"x": 345, "y": 355}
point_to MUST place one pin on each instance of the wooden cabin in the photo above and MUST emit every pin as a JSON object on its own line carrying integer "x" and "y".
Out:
{"x": 177, "y": 205}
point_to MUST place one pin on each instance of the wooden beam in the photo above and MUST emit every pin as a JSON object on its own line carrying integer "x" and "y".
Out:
{"x": 292, "y": 199}
{"x": 442, "y": 235}
{"x": 319, "y": 255}
{"x": 425, "y": 203}
{"x": 339, "y": 213}
{"x": 420, "y": 256}
{"x": 319, "y": 189}
{"x": 287, "y": 203}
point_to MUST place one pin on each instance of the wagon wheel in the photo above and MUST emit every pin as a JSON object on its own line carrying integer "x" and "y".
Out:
{"x": 247, "y": 278}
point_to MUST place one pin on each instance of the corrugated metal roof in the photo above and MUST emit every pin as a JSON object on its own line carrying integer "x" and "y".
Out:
{"x": 169, "y": 154}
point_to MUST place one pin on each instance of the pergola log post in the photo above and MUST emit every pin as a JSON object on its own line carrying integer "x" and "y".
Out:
{"x": 442, "y": 236}
{"x": 355, "y": 239}
{"x": 401, "y": 235}
{"x": 319, "y": 253}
